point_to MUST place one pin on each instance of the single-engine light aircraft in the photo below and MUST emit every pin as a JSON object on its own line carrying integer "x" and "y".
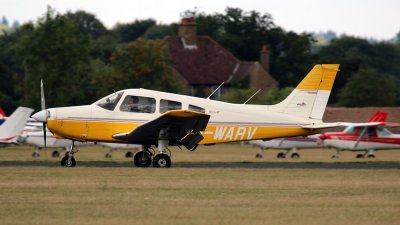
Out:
{"x": 293, "y": 144}
{"x": 154, "y": 118}
{"x": 363, "y": 137}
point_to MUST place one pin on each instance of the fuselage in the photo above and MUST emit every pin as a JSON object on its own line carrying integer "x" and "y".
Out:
{"x": 228, "y": 122}
{"x": 354, "y": 139}
{"x": 311, "y": 141}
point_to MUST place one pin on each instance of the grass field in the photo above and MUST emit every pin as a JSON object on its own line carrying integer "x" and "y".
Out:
{"x": 216, "y": 153}
{"x": 52, "y": 195}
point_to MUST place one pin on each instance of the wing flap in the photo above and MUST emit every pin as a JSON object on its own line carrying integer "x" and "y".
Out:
{"x": 183, "y": 127}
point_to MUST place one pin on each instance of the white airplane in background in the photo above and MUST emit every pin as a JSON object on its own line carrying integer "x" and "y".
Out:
{"x": 36, "y": 139}
{"x": 153, "y": 118}
{"x": 293, "y": 144}
{"x": 290, "y": 144}
{"x": 11, "y": 129}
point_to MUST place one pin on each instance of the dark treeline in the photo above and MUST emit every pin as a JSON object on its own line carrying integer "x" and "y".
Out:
{"x": 80, "y": 60}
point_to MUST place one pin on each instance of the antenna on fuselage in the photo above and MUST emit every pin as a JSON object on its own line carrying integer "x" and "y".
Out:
{"x": 216, "y": 90}
{"x": 251, "y": 96}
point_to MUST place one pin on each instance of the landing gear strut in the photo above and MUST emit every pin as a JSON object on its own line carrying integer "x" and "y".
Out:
{"x": 162, "y": 160}
{"x": 68, "y": 160}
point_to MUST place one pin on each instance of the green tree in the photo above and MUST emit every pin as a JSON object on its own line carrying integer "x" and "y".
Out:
{"x": 129, "y": 32}
{"x": 141, "y": 64}
{"x": 11, "y": 70}
{"x": 87, "y": 23}
{"x": 160, "y": 31}
{"x": 275, "y": 95}
{"x": 355, "y": 53}
{"x": 369, "y": 88}
{"x": 57, "y": 52}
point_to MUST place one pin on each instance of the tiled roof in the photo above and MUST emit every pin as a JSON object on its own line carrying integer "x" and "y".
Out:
{"x": 208, "y": 64}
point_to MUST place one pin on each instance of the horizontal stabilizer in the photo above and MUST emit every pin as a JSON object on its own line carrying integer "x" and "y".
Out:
{"x": 322, "y": 125}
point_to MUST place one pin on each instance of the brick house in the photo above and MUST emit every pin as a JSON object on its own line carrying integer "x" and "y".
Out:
{"x": 201, "y": 64}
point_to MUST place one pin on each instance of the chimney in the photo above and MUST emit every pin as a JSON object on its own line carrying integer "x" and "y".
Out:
{"x": 264, "y": 58}
{"x": 188, "y": 32}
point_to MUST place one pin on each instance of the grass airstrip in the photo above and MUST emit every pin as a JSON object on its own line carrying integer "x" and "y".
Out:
{"x": 93, "y": 195}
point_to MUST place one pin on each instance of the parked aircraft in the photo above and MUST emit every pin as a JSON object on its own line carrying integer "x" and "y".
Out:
{"x": 13, "y": 125}
{"x": 293, "y": 144}
{"x": 363, "y": 137}
{"x": 153, "y": 118}
{"x": 36, "y": 139}
{"x": 3, "y": 116}
{"x": 290, "y": 144}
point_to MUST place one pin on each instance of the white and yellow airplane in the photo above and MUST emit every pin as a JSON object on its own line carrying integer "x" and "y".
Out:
{"x": 153, "y": 118}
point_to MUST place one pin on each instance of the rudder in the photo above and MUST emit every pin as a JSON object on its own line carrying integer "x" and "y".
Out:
{"x": 310, "y": 97}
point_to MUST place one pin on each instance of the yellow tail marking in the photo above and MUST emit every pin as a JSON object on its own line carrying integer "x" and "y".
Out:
{"x": 321, "y": 77}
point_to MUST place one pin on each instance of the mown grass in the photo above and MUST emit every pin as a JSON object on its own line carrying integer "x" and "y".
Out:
{"x": 43, "y": 196}
{"x": 217, "y": 153}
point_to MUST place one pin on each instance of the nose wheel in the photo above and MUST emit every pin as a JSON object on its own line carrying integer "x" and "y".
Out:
{"x": 68, "y": 160}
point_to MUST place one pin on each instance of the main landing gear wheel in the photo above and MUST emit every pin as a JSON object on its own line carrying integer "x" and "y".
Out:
{"x": 162, "y": 161}
{"x": 128, "y": 154}
{"x": 142, "y": 159}
{"x": 371, "y": 156}
{"x": 281, "y": 155}
{"x": 359, "y": 156}
{"x": 35, "y": 154}
{"x": 295, "y": 156}
{"x": 68, "y": 161}
{"x": 55, "y": 154}
{"x": 259, "y": 156}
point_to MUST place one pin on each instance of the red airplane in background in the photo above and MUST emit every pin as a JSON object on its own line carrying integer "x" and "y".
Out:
{"x": 364, "y": 137}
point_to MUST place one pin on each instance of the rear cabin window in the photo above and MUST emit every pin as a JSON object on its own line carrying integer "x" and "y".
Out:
{"x": 196, "y": 109}
{"x": 110, "y": 102}
{"x": 167, "y": 105}
{"x": 138, "y": 104}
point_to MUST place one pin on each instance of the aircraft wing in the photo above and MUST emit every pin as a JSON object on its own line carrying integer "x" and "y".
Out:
{"x": 182, "y": 127}
{"x": 373, "y": 124}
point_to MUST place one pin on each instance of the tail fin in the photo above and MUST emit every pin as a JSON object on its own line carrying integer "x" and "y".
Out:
{"x": 310, "y": 97}
{"x": 378, "y": 117}
{"x": 13, "y": 126}
{"x": 2, "y": 114}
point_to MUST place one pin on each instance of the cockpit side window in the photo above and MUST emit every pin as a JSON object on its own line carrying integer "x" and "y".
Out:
{"x": 110, "y": 102}
{"x": 167, "y": 105}
{"x": 138, "y": 104}
{"x": 196, "y": 109}
{"x": 382, "y": 132}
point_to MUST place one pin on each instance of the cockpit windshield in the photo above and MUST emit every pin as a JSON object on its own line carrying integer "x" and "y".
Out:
{"x": 349, "y": 130}
{"x": 110, "y": 101}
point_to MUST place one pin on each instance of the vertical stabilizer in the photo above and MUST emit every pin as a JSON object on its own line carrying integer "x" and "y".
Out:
{"x": 14, "y": 125}
{"x": 310, "y": 97}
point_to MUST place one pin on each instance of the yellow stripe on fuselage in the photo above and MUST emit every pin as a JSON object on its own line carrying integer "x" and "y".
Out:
{"x": 89, "y": 130}
{"x": 102, "y": 131}
{"x": 321, "y": 77}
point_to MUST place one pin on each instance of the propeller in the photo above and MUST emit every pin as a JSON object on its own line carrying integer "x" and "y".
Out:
{"x": 43, "y": 107}
{"x": 42, "y": 115}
